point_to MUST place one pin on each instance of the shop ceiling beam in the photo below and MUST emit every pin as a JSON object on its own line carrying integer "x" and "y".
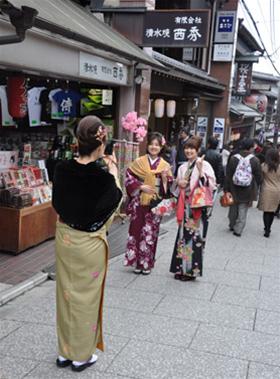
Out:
{"x": 45, "y": 25}
{"x": 22, "y": 19}
{"x": 67, "y": 19}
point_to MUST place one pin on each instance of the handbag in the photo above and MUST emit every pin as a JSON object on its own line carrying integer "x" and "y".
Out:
{"x": 202, "y": 197}
{"x": 226, "y": 200}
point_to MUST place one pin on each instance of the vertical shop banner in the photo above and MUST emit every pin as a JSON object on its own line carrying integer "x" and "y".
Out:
{"x": 225, "y": 27}
{"x": 202, "y": 125}
{"x": 180, "y": 28}
{"x": 218, "y": 130}
{"x": 243, "y": 79}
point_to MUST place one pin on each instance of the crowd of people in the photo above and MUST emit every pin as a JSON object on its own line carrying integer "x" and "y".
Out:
{"x": 86, "y": 195}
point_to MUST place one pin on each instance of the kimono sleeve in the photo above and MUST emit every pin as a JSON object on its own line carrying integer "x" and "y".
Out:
{"x": 132, "y": 184}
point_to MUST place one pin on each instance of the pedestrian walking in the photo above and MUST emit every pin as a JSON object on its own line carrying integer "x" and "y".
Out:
{"x": 85, "y": 197}
{"x": 195, "y": 174}
{"x": 147, "y": 180}
{"x": 213, "y": 156}
{"x": 243, "y": 178}
{"x": 270, "y": 189}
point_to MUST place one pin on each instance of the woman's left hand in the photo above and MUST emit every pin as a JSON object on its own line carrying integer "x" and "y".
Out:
{"x": 199, "y": 164}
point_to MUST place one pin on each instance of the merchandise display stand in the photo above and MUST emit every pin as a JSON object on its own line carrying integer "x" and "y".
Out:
{"x": 23, "y": 228}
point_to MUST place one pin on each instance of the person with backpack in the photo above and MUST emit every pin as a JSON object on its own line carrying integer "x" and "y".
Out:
{"x": 243, "y": 178}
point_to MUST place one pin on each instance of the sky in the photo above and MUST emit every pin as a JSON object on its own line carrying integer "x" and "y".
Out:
{"x": 266, "y": 14}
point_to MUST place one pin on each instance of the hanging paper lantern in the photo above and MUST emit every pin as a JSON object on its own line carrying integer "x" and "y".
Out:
{"x": 159, "y": 108}
{"x": 170, "y": 108}
{"x": 17, "y": 96}
{"x": 257, "y": 101}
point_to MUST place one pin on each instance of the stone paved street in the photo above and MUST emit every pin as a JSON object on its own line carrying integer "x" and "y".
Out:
{"x": 225, "y": 325}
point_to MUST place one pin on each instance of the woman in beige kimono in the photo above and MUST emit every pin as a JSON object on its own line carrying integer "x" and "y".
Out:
{"x": 270, "y": 189}
{"x": 85, "y": 196}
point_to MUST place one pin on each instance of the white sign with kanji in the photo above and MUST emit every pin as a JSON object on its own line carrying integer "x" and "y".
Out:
{"x": 102, "y": 69}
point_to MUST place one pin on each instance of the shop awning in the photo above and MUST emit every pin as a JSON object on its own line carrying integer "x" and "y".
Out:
{"x": 187, "y": 72}
{"x": 74, "y": 22}
{"x": 243, "y": 110}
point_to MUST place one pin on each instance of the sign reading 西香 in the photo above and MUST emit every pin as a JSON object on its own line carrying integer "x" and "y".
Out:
{"x": 180, "y": 28}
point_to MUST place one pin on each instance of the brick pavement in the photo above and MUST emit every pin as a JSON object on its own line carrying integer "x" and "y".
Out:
{"x": 225, "y": 325}
{"x": 14, "y": 269}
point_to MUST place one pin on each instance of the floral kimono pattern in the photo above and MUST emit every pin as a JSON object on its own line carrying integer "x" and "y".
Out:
{"x": 187, "y": 258}
{"x": 144, "y": 225}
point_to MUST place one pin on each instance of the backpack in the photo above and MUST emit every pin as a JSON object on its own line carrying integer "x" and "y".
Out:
{"x": 242, "y": 176}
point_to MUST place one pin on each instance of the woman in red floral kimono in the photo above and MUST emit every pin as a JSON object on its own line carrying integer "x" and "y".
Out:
{"x": 147, "y": 179}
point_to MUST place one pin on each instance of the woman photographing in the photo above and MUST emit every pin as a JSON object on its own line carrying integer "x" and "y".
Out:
{"x": 85, "y": 196}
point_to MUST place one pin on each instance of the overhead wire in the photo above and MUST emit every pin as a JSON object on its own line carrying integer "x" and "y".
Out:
{"x": 264, "y": 21}
{"x": 274, "y": 22}
{"x": 259, "y": 35}
{"x": 272, "y": 25}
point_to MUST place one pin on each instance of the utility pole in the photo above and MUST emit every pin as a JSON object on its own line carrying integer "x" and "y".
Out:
{"x": 277, "y": 119}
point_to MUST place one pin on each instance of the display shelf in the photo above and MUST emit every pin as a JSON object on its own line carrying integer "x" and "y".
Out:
{"x": 23, "y": 228}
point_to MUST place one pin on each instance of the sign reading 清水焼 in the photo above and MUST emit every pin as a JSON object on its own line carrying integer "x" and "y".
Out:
{"x": 180, "y": 28}
{"x": 101, "y": 69}
{"x": 243, "y": 78}
{"x": 225, "y": 27}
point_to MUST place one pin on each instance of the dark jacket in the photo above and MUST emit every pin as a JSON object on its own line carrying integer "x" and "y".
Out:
{"x": 243, "y": 194}
{"x": 180, "y": 156}
{"x": 215, "y": 159}
{"x": 84, "y": 195}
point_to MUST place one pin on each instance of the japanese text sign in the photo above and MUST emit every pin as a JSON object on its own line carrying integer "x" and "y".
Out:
{"x": 225, "y": 26}
{"x": 180, "y": 28}
{"x": 223, "y": 52}
{"x": 218, "y": 130}
{"x": 104, "y": 70}
{"x": 243, "y": 78}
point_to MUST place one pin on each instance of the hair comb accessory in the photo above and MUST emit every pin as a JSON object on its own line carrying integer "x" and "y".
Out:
{"x": 163, "y": 142}
{"x": 101, "y": 133}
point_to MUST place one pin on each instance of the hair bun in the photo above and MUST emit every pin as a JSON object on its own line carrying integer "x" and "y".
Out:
{"x": 91, "y": 133}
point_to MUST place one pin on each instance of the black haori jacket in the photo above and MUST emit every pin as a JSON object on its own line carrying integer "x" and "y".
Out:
{"x": 84, "y": 196}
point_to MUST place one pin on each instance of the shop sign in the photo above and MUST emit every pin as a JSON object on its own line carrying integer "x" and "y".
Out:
{"x": 183, "y": 28}
{"x": 107, "y": 97}
{"x": 243, "y": 79}
{"x": 218, "y": 130}
{"x": 225, "y": 26}
{"x": 223, "y": 52}
{"x": 188, "y": 54}
{"x": 100, "y": 69}
{"x": 202, "y": 124}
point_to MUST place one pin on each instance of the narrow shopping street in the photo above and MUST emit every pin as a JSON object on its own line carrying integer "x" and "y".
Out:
{"x": 224, "y": 325}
